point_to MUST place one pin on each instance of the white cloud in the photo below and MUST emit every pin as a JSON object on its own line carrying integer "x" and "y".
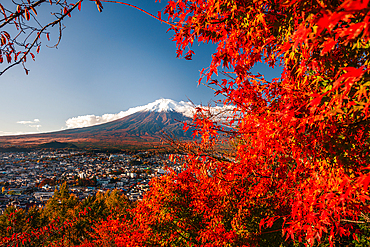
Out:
{"x": 32, "y": 124}
{"x": 36, "y": 120}
{"x": 3, "y": 133}
{"x": 90, "y": 120}
{"x": 7, "y": 133}
{"x": 37, "y": 126}
{"x": 24, "y": 122}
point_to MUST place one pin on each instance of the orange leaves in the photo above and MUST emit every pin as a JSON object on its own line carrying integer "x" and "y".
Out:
{"x": 27, "y": 14}
{"x": 66, "y": 11}
{"x": 6, "y": 35}
{"x": 19, "y": 8}
{"x": 172, "y": 158}
{"x": 204, "y": 126}
{"x": 2, "y": 10}
{"x": 33, "y": 9}
{"x": 3, "y": 40}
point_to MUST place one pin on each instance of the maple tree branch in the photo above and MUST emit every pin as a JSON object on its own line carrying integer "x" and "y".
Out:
{"x": 224, "y": 94}
{"x": 365, "y": 217}
{"x": 179, "y": 147}
{"x": 365, "y": 221}
{"x": 13, "y": 16}
{"x": 278, "y": 230}
{"x": 354, "y": 221}
{"x": 60, "y": 37}
{"x": 21, "y": 60}
{"x": 133, "y": 6}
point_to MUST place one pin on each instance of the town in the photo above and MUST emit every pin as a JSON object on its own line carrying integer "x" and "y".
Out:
{"x": 29, "y": 178}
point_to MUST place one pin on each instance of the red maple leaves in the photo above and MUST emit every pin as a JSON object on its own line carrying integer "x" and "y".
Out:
{"x": 302, "y": 139}
{"x": 297, "y": 165}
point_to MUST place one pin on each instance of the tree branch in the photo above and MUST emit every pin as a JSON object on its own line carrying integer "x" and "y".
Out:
{"x": 133, "y": 6}
{"x": 10, "y": 18}
{"x": 38, "y": 36}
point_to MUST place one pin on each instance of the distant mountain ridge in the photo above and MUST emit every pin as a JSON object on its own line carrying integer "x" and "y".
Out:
{"x": 143, "y": 125}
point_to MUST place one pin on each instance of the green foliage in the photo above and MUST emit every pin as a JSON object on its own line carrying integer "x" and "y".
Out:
{"x": 68, "y": 221}
{"x": 363, "y": 238}
{"x": 12, "y": 221}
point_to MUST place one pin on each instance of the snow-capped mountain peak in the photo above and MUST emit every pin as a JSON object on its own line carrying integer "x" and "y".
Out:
{"x": 160, "y": 105}
{"x": 166, "y": 105}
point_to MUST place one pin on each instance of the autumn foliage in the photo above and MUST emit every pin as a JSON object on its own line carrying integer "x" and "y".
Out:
{"x": 63, "y": 221}
{"x": 297, "y": 167}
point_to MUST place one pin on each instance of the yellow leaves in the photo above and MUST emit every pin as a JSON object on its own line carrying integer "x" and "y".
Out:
{"x": 217, "y": 6}
{"x": 261, "y": 19}
{"x": 314, "y": 29}
{"x": 291, "y": 55}
{"x": 361, "y": 44}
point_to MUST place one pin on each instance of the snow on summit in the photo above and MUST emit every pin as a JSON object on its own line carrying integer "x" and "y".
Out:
{"x": 160, "y": 105}
{"x": 166, "y": 105}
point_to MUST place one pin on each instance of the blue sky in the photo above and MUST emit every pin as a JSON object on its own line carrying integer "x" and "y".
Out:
{"x": 106, "y": 62}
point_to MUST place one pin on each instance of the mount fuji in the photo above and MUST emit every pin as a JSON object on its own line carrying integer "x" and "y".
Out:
{"x": 138, "y": 126}
{"x": 160, "y": 105}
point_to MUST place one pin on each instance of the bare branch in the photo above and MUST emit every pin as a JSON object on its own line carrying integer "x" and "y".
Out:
{"x": 354, "y": 221}
{"x": 60, "y": 37}
{"x": 51, "y": 24}
{"x": 133, "y": 6}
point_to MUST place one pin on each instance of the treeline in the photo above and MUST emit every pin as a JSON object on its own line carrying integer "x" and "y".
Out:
{"x": 63, "y": 221}
{"x": 86, "y": 182}
{"x": 167, "y": 216}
